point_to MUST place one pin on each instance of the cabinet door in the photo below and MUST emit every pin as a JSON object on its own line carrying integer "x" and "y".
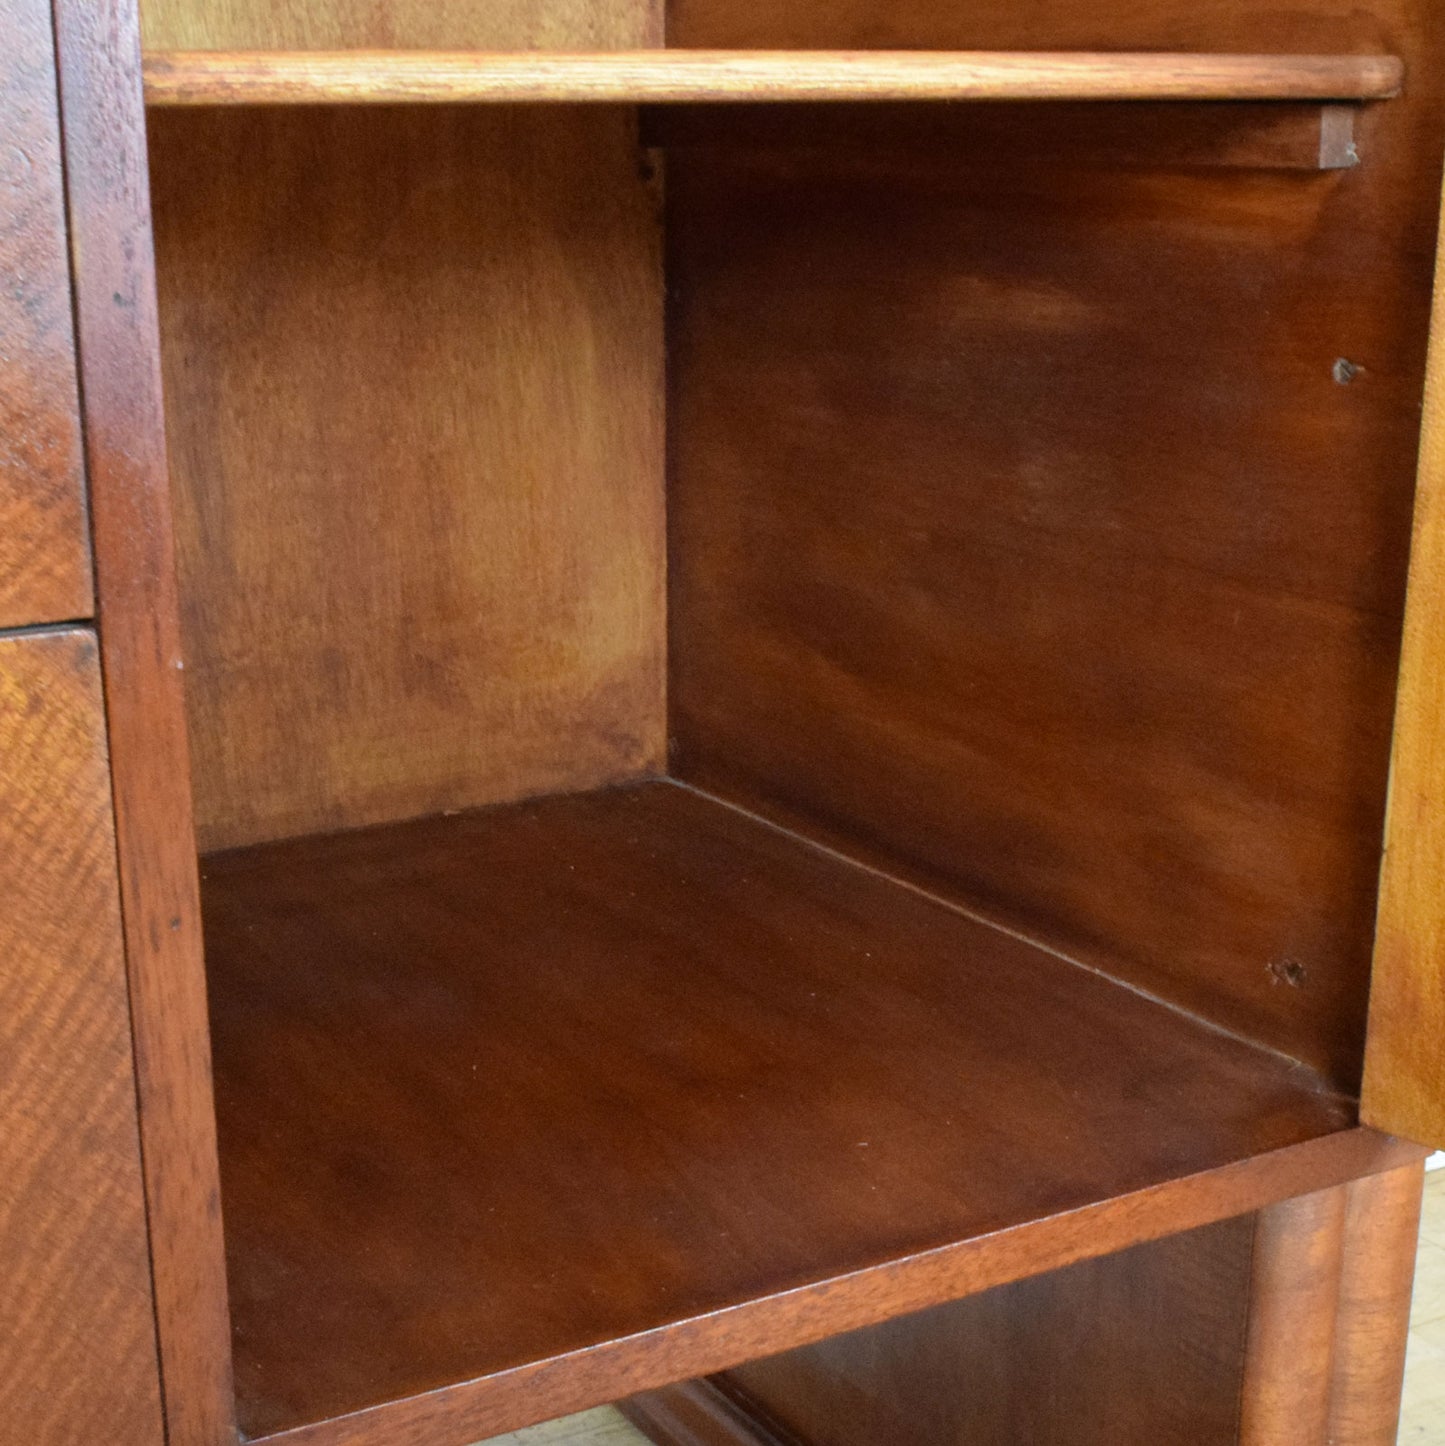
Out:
{"x": 77, "y": 1325}
{"x": 44, "y": 553}
{"x": 1405, "y": 1050}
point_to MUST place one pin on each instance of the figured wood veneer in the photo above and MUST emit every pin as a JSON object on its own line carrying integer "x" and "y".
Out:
{"x": 76, "y": 1314}
{"x": 44, "y": 540}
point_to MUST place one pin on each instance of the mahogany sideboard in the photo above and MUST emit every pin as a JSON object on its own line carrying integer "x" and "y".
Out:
{"x": 732, "y": 707}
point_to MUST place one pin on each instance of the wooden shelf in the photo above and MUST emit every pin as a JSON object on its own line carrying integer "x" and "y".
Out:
{"x": 532, "y": 1108}
{"x": 350, "y": 77}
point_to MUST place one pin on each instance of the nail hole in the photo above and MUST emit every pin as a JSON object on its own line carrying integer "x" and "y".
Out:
{"x": 1289, "y": 971}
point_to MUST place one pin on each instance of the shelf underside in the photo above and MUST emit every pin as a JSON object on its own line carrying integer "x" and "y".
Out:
{"x": 669, "y": 76}
{"x": 567, "y": 1099}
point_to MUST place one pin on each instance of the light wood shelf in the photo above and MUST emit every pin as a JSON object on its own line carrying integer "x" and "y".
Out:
{"x": 177, "y": 78}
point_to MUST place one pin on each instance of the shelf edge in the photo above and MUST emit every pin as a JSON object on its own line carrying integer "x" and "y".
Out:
{"x": 809, "y": 1313}
{"x": 212, "y": 78}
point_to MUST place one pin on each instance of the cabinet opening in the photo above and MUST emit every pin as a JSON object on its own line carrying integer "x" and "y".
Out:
{"x": 775, "y": 714}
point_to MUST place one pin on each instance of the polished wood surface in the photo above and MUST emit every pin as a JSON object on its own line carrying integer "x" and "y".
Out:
{"x": 1294, "y": 1292}
{"x": 77, "y": 1325}
{"x": 1039, "y": 528}
{"x": 349, "y": 77}
{"x": 104, "y": 130}
{"x": 414, "y": 377}
{"x": 1143, "y": 1346}
{"x": 1382, "y": 1225}
{"x": 44, "y": 543}
{"x": 548, "y": 1099}
{"x": 1404, "y": 1087}
{"x": 401, "y": 24}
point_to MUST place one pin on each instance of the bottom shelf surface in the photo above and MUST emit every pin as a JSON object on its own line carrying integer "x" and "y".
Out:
{"x": 527, "y": 1109}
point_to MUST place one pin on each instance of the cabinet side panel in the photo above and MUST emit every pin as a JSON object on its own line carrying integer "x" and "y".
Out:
{"x": 402, "y": 24}
{"x": 1146, "y": 1345}
{"x": 44, "y": 547}
{"x": 77, "y": 1321}
{"x": 1404, "y": 1061}
{"x": 414, "y": 376}
{"x": 1038, "y": 531}
{"x": 118, "y": 346}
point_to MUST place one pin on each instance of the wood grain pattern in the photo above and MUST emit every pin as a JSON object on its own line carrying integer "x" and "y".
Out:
{"x": 543, "y": 1103}
{"x": 1294, "y": 1291}
{"x": 44, "y": 541}
{"x": 1142, "y": 1346}
{"x": 419, "y": 470}
{"x": 104, "y": 130}
{"x": 344, "y": 78}
{"x": 1023, "y": 538}
{"x": 1404, "y": 1089}
{"x": 77, "y": 1324}
{"x": 1382, "y": 1224}
{"x": 401, "y": 24}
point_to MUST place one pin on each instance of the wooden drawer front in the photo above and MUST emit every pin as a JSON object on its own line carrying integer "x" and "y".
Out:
{"x": 44, "y": 547}
{"x": 77, "y": 1329}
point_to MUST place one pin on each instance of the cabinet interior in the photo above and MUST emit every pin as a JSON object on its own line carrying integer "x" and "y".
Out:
{"x": 775, "y": 692}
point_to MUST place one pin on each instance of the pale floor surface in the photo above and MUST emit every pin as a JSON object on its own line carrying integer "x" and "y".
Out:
{"x": 1422, "y": 1422}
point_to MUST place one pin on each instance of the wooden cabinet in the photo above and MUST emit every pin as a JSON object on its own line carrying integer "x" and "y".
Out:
{"x": 750, "y": 688}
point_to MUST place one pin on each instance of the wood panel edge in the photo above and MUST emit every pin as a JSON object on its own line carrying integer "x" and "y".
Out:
{"x": 103, "y": 125}
{"x": 731, "y": 1337}
{"x": 1404, "y": 1083}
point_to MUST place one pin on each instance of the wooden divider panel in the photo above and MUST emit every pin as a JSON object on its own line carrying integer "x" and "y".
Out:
{"x": 414, "y": 379}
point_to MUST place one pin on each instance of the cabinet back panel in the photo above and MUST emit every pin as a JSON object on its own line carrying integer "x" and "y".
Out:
{"x": 1223, "y": 25}
{"x": 401, "y": 24}
{"x": 414, "y": 371}
{"x": 1024, "y": 542}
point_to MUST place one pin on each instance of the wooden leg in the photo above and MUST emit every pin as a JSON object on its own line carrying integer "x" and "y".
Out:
{"x": 1289, "y": 1345}
{"x": 1382, "y": 1226}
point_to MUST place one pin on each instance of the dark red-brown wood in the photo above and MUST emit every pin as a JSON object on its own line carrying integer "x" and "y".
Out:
{"x": 77, "y": 1323}
{"x": 104, "y": 131}
{"x": 44, "y": 544}
{"x": 577, "y": 1097}
{"x": 1140, "y": 1347}
{"x": 1038, "y": 526}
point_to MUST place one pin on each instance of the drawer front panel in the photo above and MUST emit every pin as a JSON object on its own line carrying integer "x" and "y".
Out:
{"x": 44, "y": 546}
{"x": 77, "y": 1328}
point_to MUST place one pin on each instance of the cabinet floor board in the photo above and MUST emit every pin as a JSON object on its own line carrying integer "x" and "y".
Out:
{"x": 526, "y": 1109}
